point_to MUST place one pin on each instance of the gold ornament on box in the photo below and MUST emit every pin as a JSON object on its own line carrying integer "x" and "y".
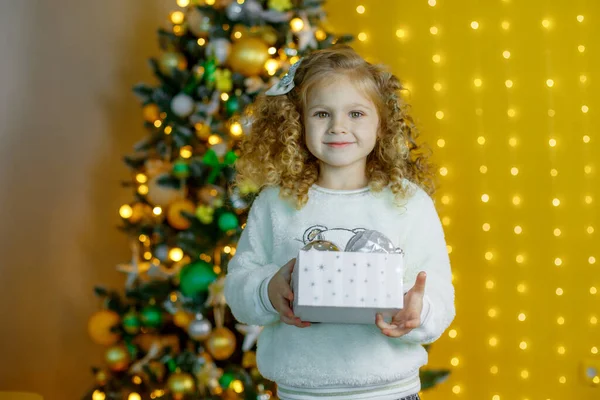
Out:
{"x": 174, "y": 216}
{"x": 100, "y": 325}
{"x": 321, "y": 245}
{"x": 182, "y": 319}
{"x": 248, "y": 56}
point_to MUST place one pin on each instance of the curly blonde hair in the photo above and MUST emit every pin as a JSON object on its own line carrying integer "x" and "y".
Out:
{"x": 275, "y": 152}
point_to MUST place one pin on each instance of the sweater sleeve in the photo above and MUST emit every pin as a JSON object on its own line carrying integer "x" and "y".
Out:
{"x": 251, "y": 268}
{"x": 427, "y": 252}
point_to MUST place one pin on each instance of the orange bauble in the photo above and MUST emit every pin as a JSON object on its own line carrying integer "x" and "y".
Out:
{"x": 182, "y": 319}
{"x": 174, "y": 216}
{"x": 99, "y": 327}
{"x": 151, "y": 112}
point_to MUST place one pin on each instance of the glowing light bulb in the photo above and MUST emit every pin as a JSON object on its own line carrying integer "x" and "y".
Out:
{"x": 441, "y": 143}
{"x": 524, "y": 374}
{"x": 456, "y": 389}
{"x": 481, "y": 140}
{"x": 401, "y": 33}
{"x": 477, "y": 82}
{"x": 514, "y": 171}
{"x": 549, "y": 83}
{"x": 585, "y": 109}
{"x": 455, "y": 361}
{"x": 486, "y": 227}
{"x": 474, "y": 25}
{"x": 489, "y": 284}
{"x": 98, "y": 395}
{"x": 516, "y": 200}
{"x": 506, "y": 54}
{"x": 296, "y": 24}
{"x": 439, "y": 115}
{"x": 360, "y": 9}
{"x": 582, "y": 78}
{"x": 580, "y": 18}
{"x": 522, "y": 317}
{"x": 508, "y": 83}
{"x": 518, "y": 230}
{"x": 592, "y": 260}
{"x": 560, "y": 320}
{"x": 511, "y": 112}
{"x": 494, "y": 369}
{"x": 555, "y": 202}
{"x": 483, "y": 169}
{"x": 520, "y": 258}
{"x": 557, "y": 232}
{"x": 493, "y": 341}
{"x": 452, "y": 333}
{"x": 126, "y": 211}
{"x": 523, "y": 345}
{"x": 554, "y": 172}
{"x": 432, "y": 3}
{"x": 436, "y": 58}
{"x": 559, "y": 291}
{"x": 581, "y": 48}
{"x": 505, "y": 25}
{"x": 437, "y": 86}
{"x": 176, "y": 254}
{"x": 433, "y": 30}
{"x": 546, "y": 23}
{"x": 362, "y": 36}
{"x": 557, "y": 262}
{"x": 521, "y": 288}
{"x": 485, "y": 198}
{"x": 492, "y": 312}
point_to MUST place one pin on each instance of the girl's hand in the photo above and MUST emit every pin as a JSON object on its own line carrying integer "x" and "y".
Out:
{"x": 281, "y": 295}
{"x": 409, "y": 317}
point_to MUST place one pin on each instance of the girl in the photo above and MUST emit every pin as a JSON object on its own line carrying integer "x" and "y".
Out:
{"x": 333, "y": 149}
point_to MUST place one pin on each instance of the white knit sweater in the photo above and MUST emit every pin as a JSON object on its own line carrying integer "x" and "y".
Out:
{"x": 338, "y": 361}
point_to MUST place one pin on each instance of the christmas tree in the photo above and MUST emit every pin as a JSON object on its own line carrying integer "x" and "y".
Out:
{"x": 170, "y": 335}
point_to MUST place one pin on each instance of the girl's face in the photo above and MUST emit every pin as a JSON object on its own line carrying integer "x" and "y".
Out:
{"x": 341, "y": 125}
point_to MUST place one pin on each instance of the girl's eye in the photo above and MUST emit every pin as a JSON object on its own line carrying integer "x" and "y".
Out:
{"x": 356, "y": 114}
{"x": 321, "y": 114}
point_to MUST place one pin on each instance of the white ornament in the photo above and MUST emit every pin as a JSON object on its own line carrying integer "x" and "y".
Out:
{"x": 220, "y": 48}
{"x": 182, "y": 105}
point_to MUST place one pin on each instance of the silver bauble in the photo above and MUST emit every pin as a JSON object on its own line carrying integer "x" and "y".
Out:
{"x": 200, "y": 329}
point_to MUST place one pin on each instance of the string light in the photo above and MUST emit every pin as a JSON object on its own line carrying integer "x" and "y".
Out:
{"x": 360, "y": 9}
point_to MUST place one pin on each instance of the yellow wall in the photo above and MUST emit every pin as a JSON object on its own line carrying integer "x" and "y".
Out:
{"x": 473, "y": 114}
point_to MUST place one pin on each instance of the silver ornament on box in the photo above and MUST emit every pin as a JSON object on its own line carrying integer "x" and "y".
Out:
{"x": 200, "y": 328}
{"x": 370, "y": 241}
{"x": 219, "y": 48}
{"x": 182, "y": 105}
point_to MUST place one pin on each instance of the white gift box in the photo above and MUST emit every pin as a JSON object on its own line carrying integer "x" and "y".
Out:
{"x": 347, "y": 287}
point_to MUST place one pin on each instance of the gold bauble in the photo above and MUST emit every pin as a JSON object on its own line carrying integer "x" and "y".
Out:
{"x": 151, "y": 112}
{"x": 117, "y": 358}
{"x": 181, "y": 384}
{"x": 182, "y": 319}
{"x": 101, "y": 377}
{"x": 174, "y": 216}
{"x": 321, "y": 245}
{"x": 171, "y": 60}
{"x": 140, "y": 211}
{"x": 99, "y": 327}
{"x": 249, "y": 359}
{"x": 162, "y": 195}
{"x": 248, "y": 56}
{"x": 221, "y": 343}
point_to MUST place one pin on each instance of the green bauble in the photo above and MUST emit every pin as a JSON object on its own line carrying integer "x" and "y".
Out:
{"x": 232, "y": 106}
{"x": 152, "y": 316}
{"x": 228, "y": 221}
{"x": 226, "y": 379}
{"x": 210, "y": 70}
{"x": 181, "y": 169}
{"x": 196, "y": 277}
{"x": 131, "y": 322}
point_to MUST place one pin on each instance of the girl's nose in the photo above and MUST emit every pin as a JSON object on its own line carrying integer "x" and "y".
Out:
{"x": 337, "y": 126}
